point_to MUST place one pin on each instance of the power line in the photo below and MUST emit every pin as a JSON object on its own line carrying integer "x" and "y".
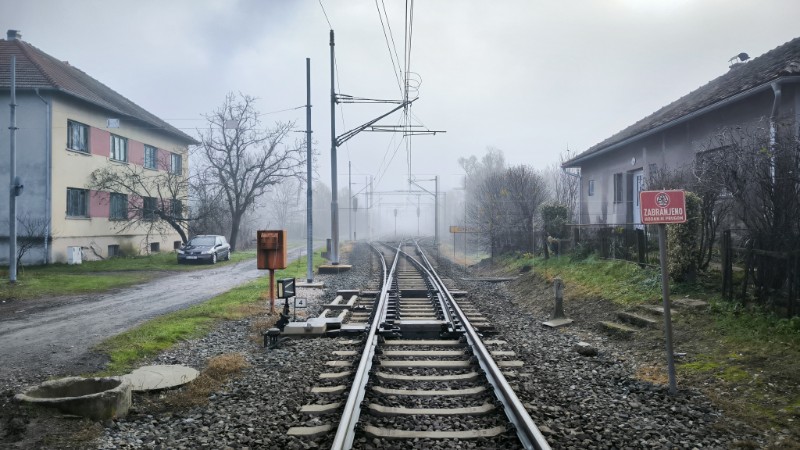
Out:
{"x": 330, "y": 27}
{"x": 263, "y": 114}
{"x": 395, "y": 66}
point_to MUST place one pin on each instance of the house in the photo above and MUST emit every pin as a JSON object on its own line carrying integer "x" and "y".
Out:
{"x": 758, "y": 92}
{"x": 68, "y": 125}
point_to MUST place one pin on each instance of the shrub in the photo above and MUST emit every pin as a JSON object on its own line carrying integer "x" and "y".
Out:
{"x": 555, "y": 217}
{"x": 683, "y": 243}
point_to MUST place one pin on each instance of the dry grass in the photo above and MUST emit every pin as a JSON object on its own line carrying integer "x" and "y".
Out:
{"x": 653, "y": 374}
{"x": 219, "y": 369}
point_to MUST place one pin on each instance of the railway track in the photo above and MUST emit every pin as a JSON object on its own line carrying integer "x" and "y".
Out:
{"x": 426, "y": 370}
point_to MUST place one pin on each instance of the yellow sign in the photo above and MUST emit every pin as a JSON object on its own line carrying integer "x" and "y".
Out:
{"x": 457, "y": 229}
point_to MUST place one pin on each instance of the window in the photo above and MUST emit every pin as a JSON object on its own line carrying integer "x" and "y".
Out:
{"x": 77, "y": 137}
{"x": 119, "y": 148}
{"x": 617, "y": 188}
{"x": 177, "y": 244}
{"x": 591, "y": 188}
{"x": 155, "y": 247}
{"x": 150, "y": 156}
{"x": 77, "y": 202}
{"x": 149, "y": 208}
{"x": 176, "y": 164}
{"x": 176, "y": 208}
{"x": 113, "y": 250}
{"x": 118, "y": 207}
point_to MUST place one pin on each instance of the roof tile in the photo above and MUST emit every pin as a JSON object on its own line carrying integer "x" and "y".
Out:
{"x": 778, "y": 62}
{"x": 37, "y": 70}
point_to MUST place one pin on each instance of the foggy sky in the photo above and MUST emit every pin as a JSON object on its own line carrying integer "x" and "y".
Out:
{"x": 531, "y": 78}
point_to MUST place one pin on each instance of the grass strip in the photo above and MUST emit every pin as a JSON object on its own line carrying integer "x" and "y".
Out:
{"x": 161, "y": 333}
{"x": 737, "y": 349}
{"x": 97, "y": 276}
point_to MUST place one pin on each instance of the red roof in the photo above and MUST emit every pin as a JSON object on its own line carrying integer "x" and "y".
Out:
{"x": 36, "y": 69}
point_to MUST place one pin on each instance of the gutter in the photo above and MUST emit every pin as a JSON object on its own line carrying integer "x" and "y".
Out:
{"x": 724, "y": 102}
{"x": 49, "y": 168}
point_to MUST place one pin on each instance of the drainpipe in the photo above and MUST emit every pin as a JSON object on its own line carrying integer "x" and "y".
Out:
{"x": 48, "y": 164}
{"x": 776, "y": 91}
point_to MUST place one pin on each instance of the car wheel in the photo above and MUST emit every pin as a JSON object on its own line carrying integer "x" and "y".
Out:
{"x": 228, "y": 256}
{"x": 213, "y": 258}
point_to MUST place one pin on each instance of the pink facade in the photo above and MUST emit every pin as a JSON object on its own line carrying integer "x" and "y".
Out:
{"x": 99, "y": 142}
{"x": 99, "y": 204}
{"x": 135, "y": 152}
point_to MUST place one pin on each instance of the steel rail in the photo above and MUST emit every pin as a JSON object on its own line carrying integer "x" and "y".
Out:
{"x": 345, "y": 433}
{"x": 527, "y": 431}
{"x": 442, "y": 303}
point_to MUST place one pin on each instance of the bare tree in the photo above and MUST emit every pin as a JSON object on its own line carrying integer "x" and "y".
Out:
{"x": 32, "y": 233}
{"x": 243, "y": 158}
{"x": 759, "y": 169}
{"x": 155, "y": 201}
{"x": 207, "y": 206}
{"x": 483, "y": 185}
{"x": 487, "y": 211}
{"x": 564, "y": 184}
{"x": 527, "y": 191}
{"x": 284, "y": 201}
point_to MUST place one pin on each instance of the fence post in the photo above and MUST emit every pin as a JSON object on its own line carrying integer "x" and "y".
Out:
{"x": 604, "y": 242}
{"x": 558, "y": 289}
{"x": 794, "y": 285}
{"x": 727, "y": 266}
{"x": 546, "y": 249}
{"x": 640, "y": 245}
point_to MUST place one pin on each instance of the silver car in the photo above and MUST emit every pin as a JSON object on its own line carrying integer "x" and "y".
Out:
{"x": 205, "y": 248}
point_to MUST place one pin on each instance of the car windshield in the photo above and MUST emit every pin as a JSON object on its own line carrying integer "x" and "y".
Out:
{"x": 202, "y": 240}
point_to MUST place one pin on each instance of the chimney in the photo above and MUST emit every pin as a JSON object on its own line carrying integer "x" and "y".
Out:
{"x": 13, "y": 35}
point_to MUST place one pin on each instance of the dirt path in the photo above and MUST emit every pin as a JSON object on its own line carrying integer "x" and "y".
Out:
{"x": 55, "y": 338}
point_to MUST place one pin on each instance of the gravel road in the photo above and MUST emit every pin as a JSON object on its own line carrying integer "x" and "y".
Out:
{"x": 55, "y": 337}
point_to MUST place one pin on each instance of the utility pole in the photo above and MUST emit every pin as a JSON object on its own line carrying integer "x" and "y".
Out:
{"x": 344, "y": 137}
{"x": 436, "y": 215}
{"x": 14, "y": 188}
{"x": 350, "y": 203}
{"x": 309, "y": 209}
{"x": 334, "y": 184}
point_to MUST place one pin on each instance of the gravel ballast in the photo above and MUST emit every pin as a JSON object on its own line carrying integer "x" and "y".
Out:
{"x": 577, "y": 401}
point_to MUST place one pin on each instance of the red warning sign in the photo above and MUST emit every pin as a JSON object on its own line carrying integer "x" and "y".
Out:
{"x": 662, "y": 206}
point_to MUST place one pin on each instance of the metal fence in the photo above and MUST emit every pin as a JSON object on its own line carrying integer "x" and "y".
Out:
{"x": 772, "y": 277}
{"x": 626, "y": 242}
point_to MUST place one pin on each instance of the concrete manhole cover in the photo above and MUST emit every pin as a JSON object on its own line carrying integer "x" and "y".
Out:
{"x": 152, "y": 378}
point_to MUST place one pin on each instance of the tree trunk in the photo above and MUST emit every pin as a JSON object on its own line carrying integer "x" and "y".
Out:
{"x": 236, "y": 220}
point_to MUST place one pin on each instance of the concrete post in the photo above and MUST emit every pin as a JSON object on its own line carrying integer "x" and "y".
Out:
{"x": 558, "y": 288}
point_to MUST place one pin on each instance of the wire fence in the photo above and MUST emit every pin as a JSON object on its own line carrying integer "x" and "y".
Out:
{"x": 626, "y": 242}
{"x": 748, "y": 274}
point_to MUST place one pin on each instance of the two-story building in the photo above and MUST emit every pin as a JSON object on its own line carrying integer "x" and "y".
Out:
{"x": 68, "y": 125}
{"x": 759, "y": 92}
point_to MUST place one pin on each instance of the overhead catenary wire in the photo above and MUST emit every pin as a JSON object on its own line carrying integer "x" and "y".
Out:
{"x": 395, "y": 64}
{"x": 330, "y": 27}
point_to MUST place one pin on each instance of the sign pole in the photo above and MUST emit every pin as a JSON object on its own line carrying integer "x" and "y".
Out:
{"x": 660, "y": 208}
{"x": 271, "y": 291}
{"x": 662, "y": 254}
